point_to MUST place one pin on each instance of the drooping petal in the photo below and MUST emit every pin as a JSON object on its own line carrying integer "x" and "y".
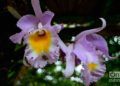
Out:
{"x": 28, "y": 23}
{"x": 37, "y": 8}
{"x": 83, "y": 53}
{"x": 17, "y": 38}
{"x": 46, "y": 18}
{"x": 85, "y": 44}
{"x": 70, "y": 62}
{"x": 99, "y": 42}
{"x": 91, "y": 31}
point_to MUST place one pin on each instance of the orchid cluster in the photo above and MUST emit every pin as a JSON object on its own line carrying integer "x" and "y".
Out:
{"x": 43, "y": 45}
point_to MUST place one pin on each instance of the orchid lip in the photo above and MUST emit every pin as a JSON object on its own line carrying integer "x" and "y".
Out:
{"x": 38, "y": 40}
{"x": 92, "y": 66}
{"x": 41, "y": 33}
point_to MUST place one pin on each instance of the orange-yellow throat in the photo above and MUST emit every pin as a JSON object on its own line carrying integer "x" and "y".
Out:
{"x": 92, "y": 66}
{"x": 40, "y": 41}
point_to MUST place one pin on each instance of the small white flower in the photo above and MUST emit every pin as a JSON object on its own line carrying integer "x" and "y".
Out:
{"x": 76, "y": 79}
{"x": 48, "y": 77}
{"x": 72, "y": 78}
{"x": 119, "y": 42}
{"x": 58, "y": 69}
{"x": 115, "y": 38}
{"x": 72, "y": 26}
{"x": 111, "y": 42}
{"x": 58, "y": 63}
{"x": 65, "y": 25}
{"x": 79, "y": 68}
{"x": 39, "y": 71}
{"x": 73, "y": 38}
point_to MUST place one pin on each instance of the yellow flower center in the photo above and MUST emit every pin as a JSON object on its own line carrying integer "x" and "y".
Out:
{"x": 40, "y": 41}
{"x": 92, "y": 66}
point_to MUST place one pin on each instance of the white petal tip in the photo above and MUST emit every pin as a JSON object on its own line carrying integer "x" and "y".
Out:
{"x": 103, "y": 22}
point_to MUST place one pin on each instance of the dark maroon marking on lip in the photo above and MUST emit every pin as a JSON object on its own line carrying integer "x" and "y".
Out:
{"x": 97, "y": 74}
{"x": 44, "y": 57}
{"x": 41, "y": 33}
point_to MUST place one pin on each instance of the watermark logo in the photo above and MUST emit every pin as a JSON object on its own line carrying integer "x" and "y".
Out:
{"x": 114, "y": 76}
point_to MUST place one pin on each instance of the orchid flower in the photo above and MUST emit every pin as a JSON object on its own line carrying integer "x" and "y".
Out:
{"x": 41, "y": 38}
{"x": 92, "y": 50}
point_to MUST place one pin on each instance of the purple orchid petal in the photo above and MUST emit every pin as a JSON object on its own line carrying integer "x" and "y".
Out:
{"x": 57, "y": 27}
{"x": 17, "y": 38}
{"x": 46, "y": 18}
{"x": 25, "y": 62}
{"x": 86, "y": 76}
{"x": 53, "y": 56}
{"x": 91, "y": 31}
{"x": 96, "y": 75}
{"x": 82, "y": 37}
{"x": 84, "y": 46}
{"x": 83, "y": 53}
{"x": 62, "y": 46}
{"x": 33, "y": 59}
{"x": 28, "y": 23}
{"x": 89, "y": 77}
{"x": 99, "y": 42}
{"x": 39, "y": 63}
{"x": 37, "y": 8}
{"x": 79, "y": 52}
{"x": 70, "y": 62}
{"x": 54, "y": 52}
